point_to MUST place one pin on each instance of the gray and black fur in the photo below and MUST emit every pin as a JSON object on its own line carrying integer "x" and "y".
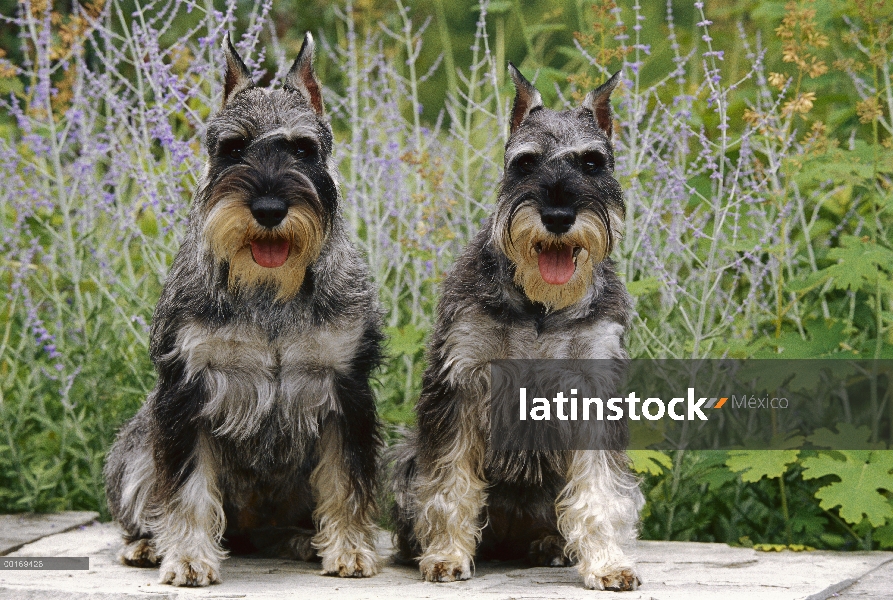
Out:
{"x": 455, "y": 497}
{"x": 261, "y": 432}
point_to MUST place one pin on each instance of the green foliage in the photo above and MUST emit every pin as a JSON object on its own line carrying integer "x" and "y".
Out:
{"x": 862, "y": 475}
{"x": 652, "y": 462}
{"x": 754, "y": 465}
{"x": 822, "y": 288}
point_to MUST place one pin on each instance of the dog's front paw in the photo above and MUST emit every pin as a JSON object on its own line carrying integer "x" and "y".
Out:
{"x": 189, "y": 572}
{"x": 548, "y": 552}
{"x": 618, "y": 580}
{"x": 140, "y": 553}
{"x": 443, "y": 571}
{"x": 351, "y": 563}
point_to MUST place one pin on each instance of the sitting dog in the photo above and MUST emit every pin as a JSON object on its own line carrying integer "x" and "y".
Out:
{"x": 262, "y": 426}
{"x": 536, "y": 283}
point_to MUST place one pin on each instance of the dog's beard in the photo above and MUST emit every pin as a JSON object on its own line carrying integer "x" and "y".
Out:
{"x": 556, "y": 270}
{"x": 288, "y": 249}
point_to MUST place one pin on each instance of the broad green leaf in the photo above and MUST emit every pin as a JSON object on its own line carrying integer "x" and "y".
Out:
{"x": 769, "y": 547}
{"x": 847, "y": 437}
{"x": 405, "y": 340}
{"x": 649, "y": 461}
{"x": 862, "y": 475}
{"x": 642, "y": 434}
{"x": 643, "y": 287}
{"x": 824, "y": 338}
{"x": 884, "y": 535}
{"x": 859, "y": 263}
{"x": 753, "y": 465}
{"x": 809, "y": 524}
{"x": 717, "y": 477}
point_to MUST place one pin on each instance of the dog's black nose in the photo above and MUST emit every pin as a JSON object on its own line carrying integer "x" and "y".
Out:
{"x": 269, "y": 212}
{"x": 558, "y": 219}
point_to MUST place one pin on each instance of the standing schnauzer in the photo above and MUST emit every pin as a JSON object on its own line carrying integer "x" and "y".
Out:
{"x": 535, "y": 284}
{"x": 262, "y": 427}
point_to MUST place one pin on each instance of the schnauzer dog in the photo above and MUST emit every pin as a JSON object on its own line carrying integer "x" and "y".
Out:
{"x": 535, "y": 283}
{"x": 262, "y": 426}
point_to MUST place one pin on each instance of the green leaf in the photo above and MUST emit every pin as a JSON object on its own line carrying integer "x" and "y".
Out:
{"x": 649, "y": 461}
{"x": 848, "y": 436}
{"x": 884, "y": 535}
{"x": 753, "y": 465}
{"x": 859, "y": 263}
{"x": 643, "y": 287}
{"x": 824, "y": 338}
{"x": 716, "y": 478}
{"x": 147, "y": 222}
{"x": 405, "y": 340}
{"x": 861, "y": 475}
{"x": 811, "y": 525}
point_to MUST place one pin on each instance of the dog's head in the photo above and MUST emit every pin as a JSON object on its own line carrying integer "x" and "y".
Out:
{"x": 560, "y": 210}
{"x": 270, "y": 197}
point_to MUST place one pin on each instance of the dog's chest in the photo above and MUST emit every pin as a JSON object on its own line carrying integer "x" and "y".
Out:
{"x": 249, "y": 377}
{"x": 245, "y": 348}
{"x": 478, "y": 339}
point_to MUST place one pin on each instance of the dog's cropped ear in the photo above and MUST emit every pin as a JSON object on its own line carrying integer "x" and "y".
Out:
{"x": 302, "y": 78}
{"x": 237, "y": 77}
{"x": 527, "y": 98}
{"x": 599, "y": 102}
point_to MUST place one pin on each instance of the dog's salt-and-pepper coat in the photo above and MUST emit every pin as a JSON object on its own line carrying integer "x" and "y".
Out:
{"x": 262, "y": 426}
{"x": 535, "y": 283}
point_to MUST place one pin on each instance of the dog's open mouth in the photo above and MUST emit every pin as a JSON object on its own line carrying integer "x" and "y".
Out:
{"x": 557, "y": 263}
{"x": 270, "y": 253}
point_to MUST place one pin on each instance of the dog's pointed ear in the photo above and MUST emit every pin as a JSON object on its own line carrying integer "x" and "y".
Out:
{"x": 302, "y": 78}
{"x": 237, "y": 77}
{"x": 527, "y": 98}
{"x": 599, "y": 102}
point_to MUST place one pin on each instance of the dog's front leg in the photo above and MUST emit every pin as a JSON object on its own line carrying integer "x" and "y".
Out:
{"x": 598, "y": 511}
{"x": 344, "y": 489}
{"x": 451, "y": 496}
{"x": 189, "y": 524}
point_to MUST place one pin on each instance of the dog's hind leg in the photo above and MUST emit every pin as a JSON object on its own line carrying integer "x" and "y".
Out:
{"x": 344, "y": 485}
{"x": 130, "y": 476}
{"x": 295, "y": 543}
{"x": 403, "y": 510}
{"x": 598, "y": 512}
{"x": 548, "y": 551}
{"x": 139, "y": 553}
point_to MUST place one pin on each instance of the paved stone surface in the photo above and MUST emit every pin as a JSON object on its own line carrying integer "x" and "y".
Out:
{"x": 671, "y": 571}
{"x": 18, "y": 530}
{"x": 876, "y": 585}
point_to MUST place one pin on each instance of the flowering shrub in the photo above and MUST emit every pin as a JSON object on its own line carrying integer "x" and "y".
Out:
{"x": 754, "y": 227}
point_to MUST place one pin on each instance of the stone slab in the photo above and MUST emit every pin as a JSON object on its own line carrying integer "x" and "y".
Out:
{"x": 670, "y": 570}
{"x": 875, "y": 585}
{"x": 18, "y": 530}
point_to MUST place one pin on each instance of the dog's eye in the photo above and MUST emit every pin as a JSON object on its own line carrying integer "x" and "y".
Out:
{"x": 593, "y": 162}
{"x": 303, "y": 149}
{"x": 233, "y": 148}
{"x": 525, "y": 163}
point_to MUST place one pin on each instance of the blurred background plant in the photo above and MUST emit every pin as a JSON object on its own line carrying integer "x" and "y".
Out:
{"x": 753, "y": 141}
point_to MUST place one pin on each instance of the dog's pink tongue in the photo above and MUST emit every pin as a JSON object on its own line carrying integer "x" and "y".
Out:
{"x": 557, "y": 264}
{"x": 270, "y": 254}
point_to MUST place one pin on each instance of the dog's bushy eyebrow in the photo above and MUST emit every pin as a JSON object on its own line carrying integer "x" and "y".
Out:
{"x": 294, "y": 132}
{"x": 522, "y": 149}
{"x": 579, "y": 150}
{"x": 235, "y": 129}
